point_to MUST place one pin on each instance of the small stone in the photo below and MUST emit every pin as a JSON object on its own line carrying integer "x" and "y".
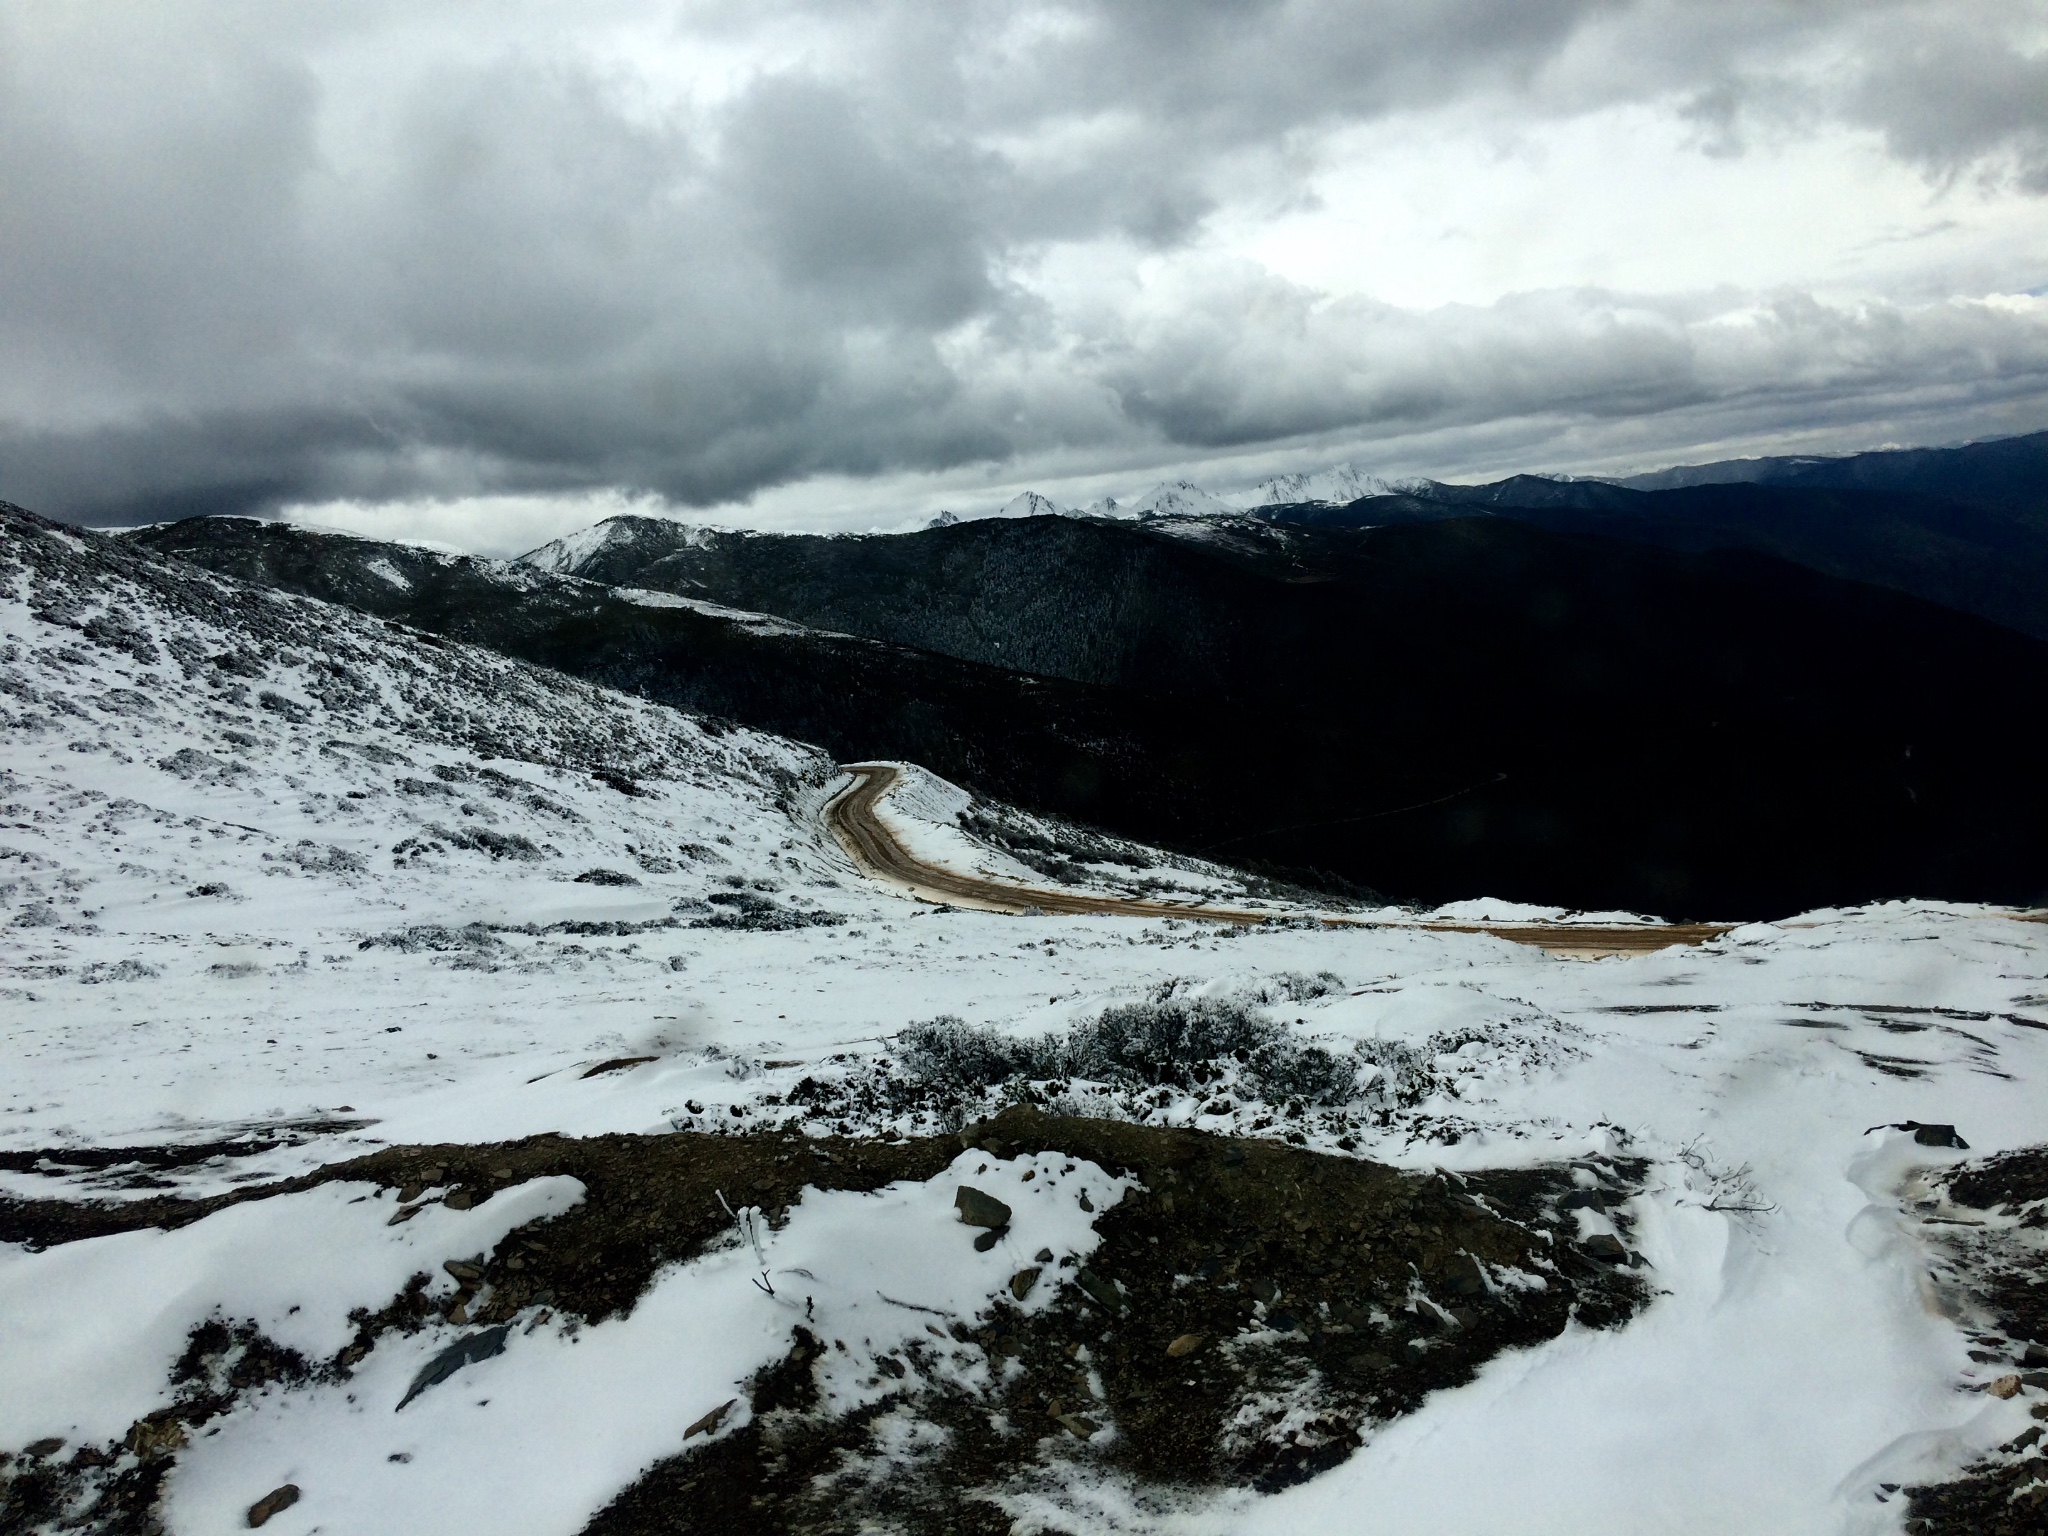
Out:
{"x": 1044, "y": 1256}
{"x": 1466, "y": 1280}
{"x": 1022, "y": 1281}
{"x": 501, "y": 1173}
{"x": 711, "y": 1420}
{"x": 1939, "y": 1136}
{"x": 460, "y": 1200}
{"x": 1077, "y": 1425}
{"x": 156, "y": 1437}
{"x": 1086, "y": 1203}
{"x": 274, "y": 1502}
{"x": 42, "y": 1448}
{"x": 979, "y": 1210}
{"x": 1103, "y": 1291}
{"x": 1186, "y": 1344}
{"x": 1605, "y": 1247}
{"x": 404, "y": 1213}
{"x": 2005, "y": 1386}
{"x": 459, "y": 1313}
{"x": 432, "y": 1176}
{"x": 408, "y": 1193}
{"x": 1264, "y": 1290}
{"x": 462, "y": 1269}
{"x": 990, "y": 1238}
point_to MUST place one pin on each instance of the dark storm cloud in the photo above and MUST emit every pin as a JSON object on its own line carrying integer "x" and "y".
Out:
{"x": 254, "y": 255}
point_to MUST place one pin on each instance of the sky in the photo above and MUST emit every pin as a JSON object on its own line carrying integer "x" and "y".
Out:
{"x": 484, "y": 273}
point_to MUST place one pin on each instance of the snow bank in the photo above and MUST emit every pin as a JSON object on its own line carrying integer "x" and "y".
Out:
{"x": 89, "y": 1330}
{"x": 537, "y": 1440}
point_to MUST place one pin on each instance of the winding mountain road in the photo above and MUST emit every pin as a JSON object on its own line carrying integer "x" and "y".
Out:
{"x": 851, "y": 818}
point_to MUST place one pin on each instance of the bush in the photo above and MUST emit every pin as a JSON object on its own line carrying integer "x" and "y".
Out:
{"x": 1166, "y": 1041}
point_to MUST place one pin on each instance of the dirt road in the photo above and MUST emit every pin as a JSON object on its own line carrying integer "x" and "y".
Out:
{"x": 851, "y": 818}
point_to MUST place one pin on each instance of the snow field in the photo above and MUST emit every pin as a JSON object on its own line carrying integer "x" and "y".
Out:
{"x": 540, "y": 1438}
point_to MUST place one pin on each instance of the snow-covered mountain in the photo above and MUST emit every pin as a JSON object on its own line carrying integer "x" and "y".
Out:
{"x": 589, "y": 549}
{"x": 1178, "y": 498}
{"x": 436, "y": 1093}
{"x": 1337, "y": 486}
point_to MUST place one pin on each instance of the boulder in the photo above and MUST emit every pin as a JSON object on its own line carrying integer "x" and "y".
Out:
{"x": 979, "y": 1210}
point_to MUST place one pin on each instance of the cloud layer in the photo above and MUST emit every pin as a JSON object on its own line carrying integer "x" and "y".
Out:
{"x": 256, "y": 256}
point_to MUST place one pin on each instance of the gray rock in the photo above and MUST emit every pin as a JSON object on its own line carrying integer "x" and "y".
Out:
{"x": 1022, "y": 1282}
{"x": 1605, "y": 1247}
{"x": 1077, "y": 1425}
{"x": 1101, "y": 1290}
{"x": 990, "y": 1238}
{"x": 979, "y": 1210}
{"x": 467, "y": 1351}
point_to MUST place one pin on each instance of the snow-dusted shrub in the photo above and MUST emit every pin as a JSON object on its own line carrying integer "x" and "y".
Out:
{"x": 434, "y": 937}
{"x": 119, "y": 970}
{"x": 1164, "y": 1042}
{"x": 1398, "y": 1075}
{"x": 1293, "y": 987}
{"x": 318, "y": 860}
{"x": 948, "y": 1052}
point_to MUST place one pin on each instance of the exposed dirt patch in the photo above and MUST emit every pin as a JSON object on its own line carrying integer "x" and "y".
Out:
{"x": 1998, "y": 1281}
{"x": 1253, "y": 1310}
{"x": 113, "y": 1489}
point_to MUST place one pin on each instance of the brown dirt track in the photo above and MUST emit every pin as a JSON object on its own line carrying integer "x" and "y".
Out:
{"x": 851, "y": 818}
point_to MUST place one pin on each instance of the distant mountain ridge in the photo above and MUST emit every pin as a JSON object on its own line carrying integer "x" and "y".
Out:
{"x": 1720, "y": 700}
{"x": 1651, "y": 710}
{"x": 2007, "y": 472}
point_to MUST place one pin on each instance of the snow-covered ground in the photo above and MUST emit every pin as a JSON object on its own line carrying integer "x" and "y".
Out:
{"x": 272, "y": 867}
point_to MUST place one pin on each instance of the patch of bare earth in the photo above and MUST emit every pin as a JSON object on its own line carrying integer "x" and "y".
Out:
{"x": 1253, "y": 1311}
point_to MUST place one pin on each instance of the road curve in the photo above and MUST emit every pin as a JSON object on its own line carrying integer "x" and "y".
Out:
{"x": 851, "y": 819}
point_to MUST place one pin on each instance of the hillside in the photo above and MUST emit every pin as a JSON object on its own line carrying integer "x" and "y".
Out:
{"x": 1986, "y": 557}
{"x": 1434, "y": 708}
{"x": 439, "y": 1092}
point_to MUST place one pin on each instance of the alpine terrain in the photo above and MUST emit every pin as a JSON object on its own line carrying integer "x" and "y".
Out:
{"x": 466, "y": 1072}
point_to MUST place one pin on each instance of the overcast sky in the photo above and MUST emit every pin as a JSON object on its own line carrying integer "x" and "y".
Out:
{"x": 483, "y": 272}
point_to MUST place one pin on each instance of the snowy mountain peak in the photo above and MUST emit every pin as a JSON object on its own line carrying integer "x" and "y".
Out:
{"x": 1179, "y": 498}
{"x": 1031, "y": 504}
{"x": 1336, "y": 486}
{"x": 572, "y": 554}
